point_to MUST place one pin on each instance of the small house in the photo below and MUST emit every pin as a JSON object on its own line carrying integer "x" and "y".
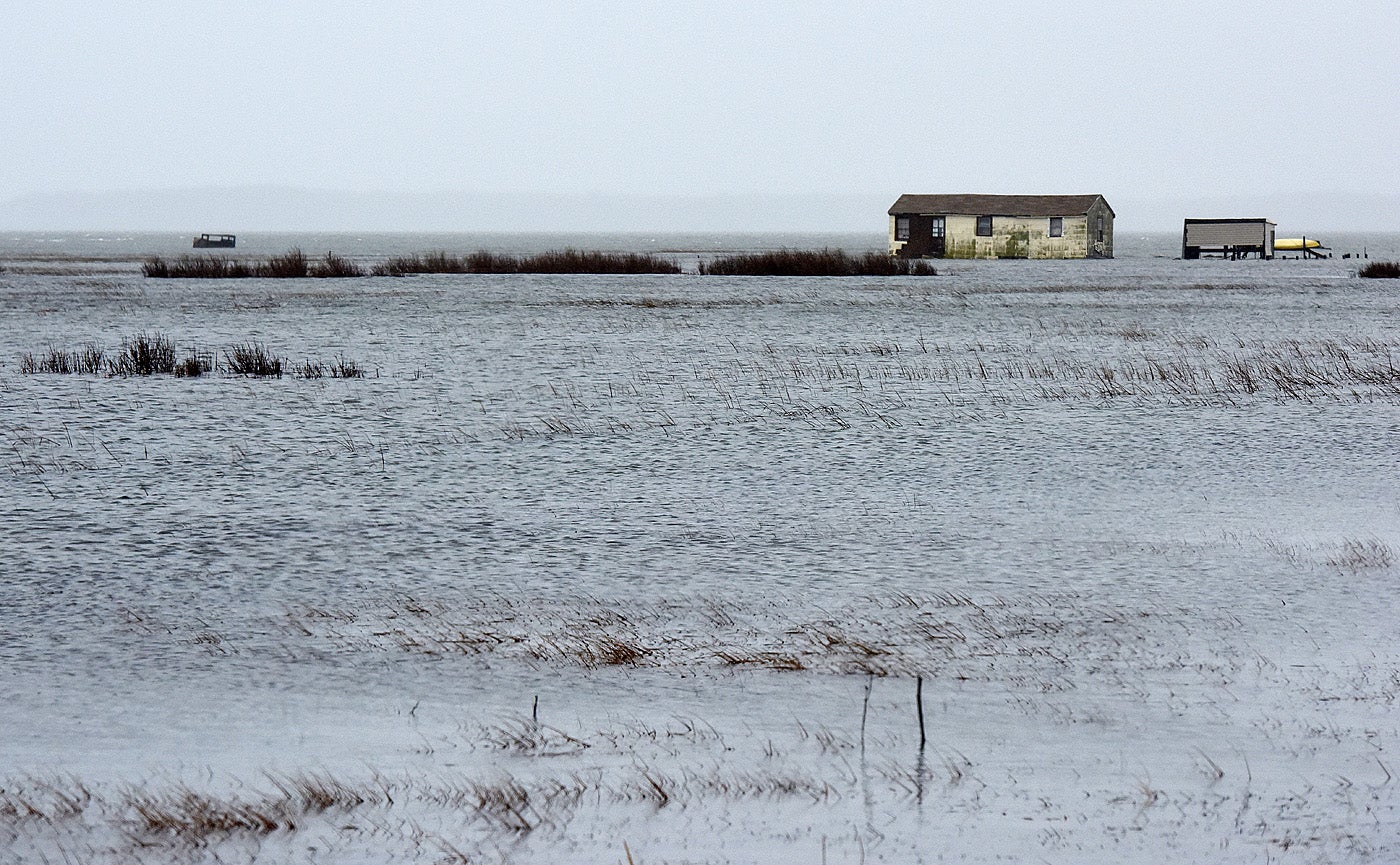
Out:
{"x": 1228, "y": 238}
{"x": 1001, "y": 226}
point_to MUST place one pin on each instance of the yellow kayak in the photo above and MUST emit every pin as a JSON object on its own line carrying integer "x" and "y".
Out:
{"x": 1287, "y": 243}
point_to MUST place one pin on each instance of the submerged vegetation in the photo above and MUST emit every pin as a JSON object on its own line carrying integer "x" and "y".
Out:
{"x": 341, "y": 367}
{"x": 1381, "y": 270}
{"x": 154, "y": 354}
{"x": 821, "y": 262}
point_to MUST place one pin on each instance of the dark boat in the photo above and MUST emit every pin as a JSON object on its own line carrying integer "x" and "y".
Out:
{"x": 214, "y": 241}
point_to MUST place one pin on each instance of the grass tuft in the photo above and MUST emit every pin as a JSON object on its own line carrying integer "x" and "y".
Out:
{"x": 1381, "y": 270}
{"x": 253, "y": 358}
{"x": 89, "y": 359}
{"x": 195, "y": 365}
{"x": 1357, "y": 554}
{"x": 144, "y": 355}
{"x": 341, "y": 367}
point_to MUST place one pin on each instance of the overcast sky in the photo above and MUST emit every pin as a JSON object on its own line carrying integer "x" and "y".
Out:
{"x": 1135, "y": 101}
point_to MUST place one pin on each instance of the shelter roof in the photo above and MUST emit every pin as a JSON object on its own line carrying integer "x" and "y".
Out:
{"x": 996, "y": 205}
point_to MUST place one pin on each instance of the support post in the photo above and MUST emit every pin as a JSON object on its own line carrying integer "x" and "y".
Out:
{"x": 919, "y": 701}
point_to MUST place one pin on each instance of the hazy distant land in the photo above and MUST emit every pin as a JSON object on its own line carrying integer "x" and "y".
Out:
{"x": 278, "y": 208}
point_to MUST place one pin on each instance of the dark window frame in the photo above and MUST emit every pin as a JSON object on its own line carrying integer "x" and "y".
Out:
{"x": 1057, "y": 226}
{"x": 938, "y": 226}
{"x": 984, "y": 221}
{"x": 901, "y": 228}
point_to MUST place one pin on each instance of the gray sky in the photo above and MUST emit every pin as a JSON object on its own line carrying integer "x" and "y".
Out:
{"x": 1160, "y": 101}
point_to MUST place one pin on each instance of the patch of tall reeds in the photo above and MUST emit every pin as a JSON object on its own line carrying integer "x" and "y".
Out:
{"x": 819, "y": 262}
{"x": 335, "y": 266}
{"x": 88, "y": 360}
{"x": 294, "y": 264}
{"x": 149, "y": 354}
{"x": 291, "y": 264}
{"x": 197, "y": 267}
{"x": 555, "y": 261}
{"x": 253, "y": 359}
{"x": 144, "y": 354}
{"x": 433, "y": 262}
{"x": 580, "y": 261}
{"x": 195, "y": 364}
{"x": 1381, "y": 270}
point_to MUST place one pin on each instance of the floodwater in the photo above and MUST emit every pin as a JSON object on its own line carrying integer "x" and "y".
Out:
{"x": 608, "y": 569}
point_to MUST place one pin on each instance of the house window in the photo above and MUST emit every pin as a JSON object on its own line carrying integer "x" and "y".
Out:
{"x": 1098, "y": 227}
{"x": 939, "y": 227}
{"x": 1057, "y": 226}
{"x": 984, "y": 226}
{"x": 901, "y": 228}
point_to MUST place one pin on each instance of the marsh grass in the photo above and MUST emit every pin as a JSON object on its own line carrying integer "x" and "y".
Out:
{"x": 566, "y": 261}
{"x": 1381, "y": 270}
{"x": 252, "y": 359}
{"x": 1359, "y": 554}
{"x": 178, "y": 816}
{"x": 820, "y": 262}
{"x": 197, "y": 267}
{"x": 340, "y": 367}
{"x": 294, "y": 264}
{"x": 335, "y": 266}
{"x": 151, "y": 354}
{"x": 433, "y": 262}
{"x": 528, "y": 737}
{"x": 892, "y": 383}
{"x": 443, "y": 262}
{"x": 578, "y": 261}
{"x": 591, "y": 649}
{"x": 881, "y": 637}
{"x": 483, "y": 261}
{"x": 196, "y": 817}
{"x": 195, "y": 364}
{"x": 144, "y": 354}
{"x": 88, "y": 360}
{"x": 291, "y": 264}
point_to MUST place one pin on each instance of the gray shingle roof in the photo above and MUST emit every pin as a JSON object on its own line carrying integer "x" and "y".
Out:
{"x": 996, "y": 205}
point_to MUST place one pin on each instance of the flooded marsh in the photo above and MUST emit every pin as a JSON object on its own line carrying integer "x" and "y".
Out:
{"x": 668, "y": 568}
